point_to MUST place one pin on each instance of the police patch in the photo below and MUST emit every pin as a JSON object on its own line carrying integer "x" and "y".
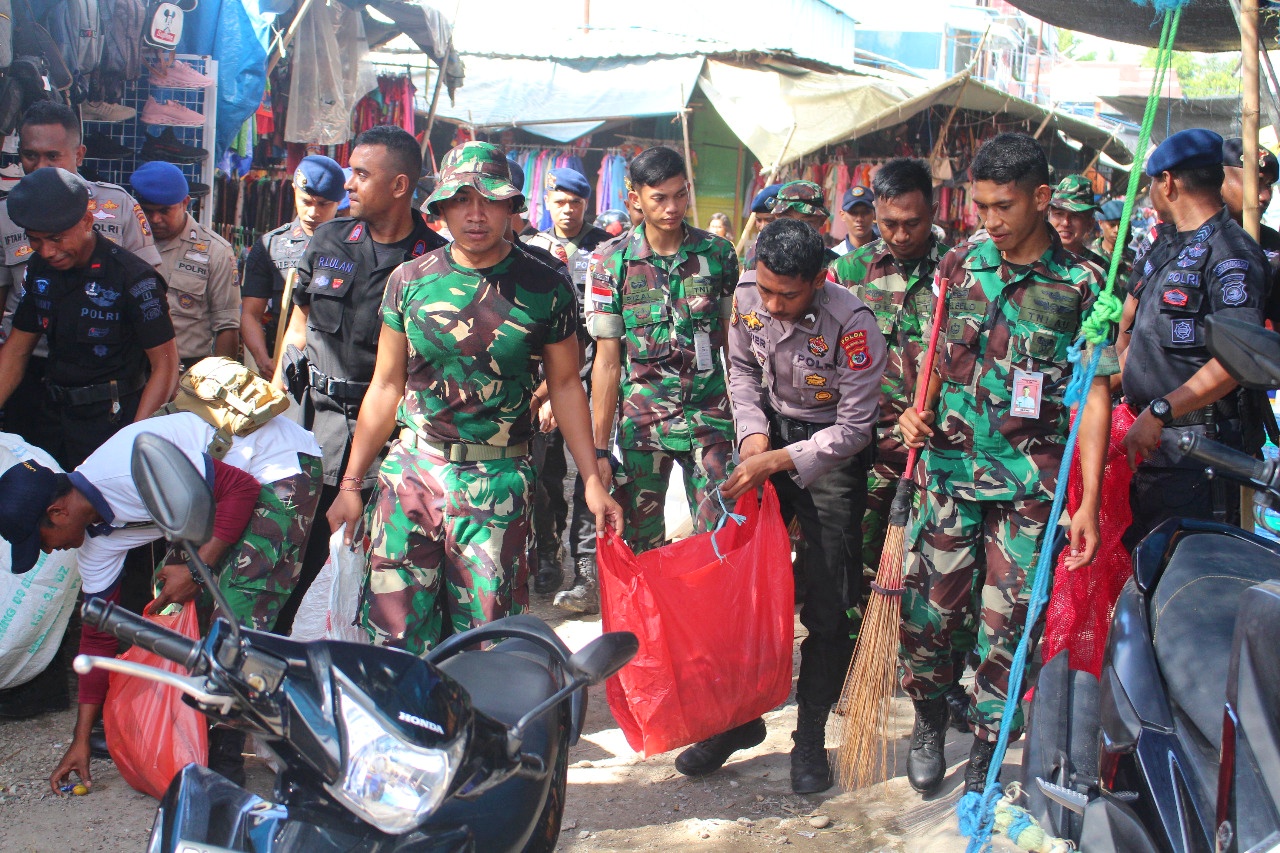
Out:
{"x": 1183, "y": 331}
{"x": 320, "y": 281}
{"x": 854, "y": 345}
{"x": 356, "y": 233}
{"x": 142, "y": 220}
{"x": 751, "y": 321}
{"x": 1186, "y": 279}
{"x": 1234, "y": 294}
{"x": 42, "y": 284}
{"x": 1229, "y": 265}
{"x": 98, "y": 331}
{"x": 22, "y": 251}
{"x": 337, "y": 282}
{"x": 1205, "y": 232}
{"x": 186, "y": 300}
{"x": 815, "y": 381}
{"x": 1176, "y": 298}
{"x": 1147, "y": 269}
{"x": 419, "y": 248}
{"x": 1196, "y": 250}
{"x": 823, "y": 396}
{"x": 100, "y": 351}
{"x": 818, "y": 345}
{"x": 1185, "y": 260}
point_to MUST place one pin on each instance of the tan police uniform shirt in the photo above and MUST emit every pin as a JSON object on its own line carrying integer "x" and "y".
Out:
{"x": 204, "y": 293}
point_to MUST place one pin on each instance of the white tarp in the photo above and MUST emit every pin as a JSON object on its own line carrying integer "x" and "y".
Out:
{"x": 562, "y": 100}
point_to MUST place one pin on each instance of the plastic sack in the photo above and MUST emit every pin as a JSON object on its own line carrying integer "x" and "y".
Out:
{"x": 328, "y": 610}
{"x": 715, "y": 633}
{"x": 151, "y": 732}
{"x": 35, "y": 606}
{"x": 330, "y": 73}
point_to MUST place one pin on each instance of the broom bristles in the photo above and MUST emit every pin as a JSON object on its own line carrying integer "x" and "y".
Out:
{"x": 866, "y": 748}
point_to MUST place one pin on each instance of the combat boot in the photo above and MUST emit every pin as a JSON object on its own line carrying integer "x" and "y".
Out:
{"x": 975, "y": 772}
{"x": 958, "y": 706}
{"x": 709, "y": 755}
{"x": 926, "y": 764}
{"x": 584, "y": 597}
{"x": 550, "y": 574}
{"x": 810, "y": 769}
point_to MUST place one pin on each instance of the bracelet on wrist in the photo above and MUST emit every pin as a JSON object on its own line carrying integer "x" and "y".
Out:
{"x": 352, "y": 479}
{"x": 195, "y": 576}
{"x": 355, "y": 488}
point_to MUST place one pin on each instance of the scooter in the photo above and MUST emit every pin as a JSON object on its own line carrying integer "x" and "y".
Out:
{"x": 1176, "y": 748}
{"x": 378, "y": 750}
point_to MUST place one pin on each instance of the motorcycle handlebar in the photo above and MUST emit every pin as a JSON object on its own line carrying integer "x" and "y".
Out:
{"x": 170, "y": 645}
{"x": 1226, "y": 461}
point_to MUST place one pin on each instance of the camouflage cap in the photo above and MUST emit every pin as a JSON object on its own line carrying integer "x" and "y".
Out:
{"x": 1074, "y": 193}
{"x": 803, "y": 197}
{"x": 478, "y": 165}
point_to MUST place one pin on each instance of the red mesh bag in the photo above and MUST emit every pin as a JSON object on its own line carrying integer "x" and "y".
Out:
{"x": 1080, "y": 607}
{"x": 715, "y": 633}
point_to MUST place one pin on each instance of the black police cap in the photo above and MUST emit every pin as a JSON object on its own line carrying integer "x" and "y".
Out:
{"x": 49, "y": 200}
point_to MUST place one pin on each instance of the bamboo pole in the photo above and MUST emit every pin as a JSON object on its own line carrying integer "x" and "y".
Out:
{"x": 688, "y": 157}
{"x": 435, "y": 101}
{"x": 773, "y": 174}
{"x": 1249, "y": 113}
{"x": 282, "y": 43}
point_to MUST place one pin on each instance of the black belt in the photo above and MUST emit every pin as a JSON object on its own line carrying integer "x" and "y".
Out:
{"x": 338, "y": 389}
{"x": 791, "y": 430}
{"x": 83, "y": 395}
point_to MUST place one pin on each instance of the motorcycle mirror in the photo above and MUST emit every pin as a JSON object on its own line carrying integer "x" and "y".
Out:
{"x": 176, "y": 496}
{"x": 604, "y": 656}
{"x": 1250, "y": 353}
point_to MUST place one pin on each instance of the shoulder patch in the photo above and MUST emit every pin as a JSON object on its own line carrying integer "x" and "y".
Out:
{"x": 357, "y": 231}
{"x": 1229, "y": 265}
{"x": 1233, "y": 290}
{"x": 854, "y": 345}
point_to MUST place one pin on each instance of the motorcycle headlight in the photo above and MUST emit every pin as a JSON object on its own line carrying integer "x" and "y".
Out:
{"x": 390, "y": 782}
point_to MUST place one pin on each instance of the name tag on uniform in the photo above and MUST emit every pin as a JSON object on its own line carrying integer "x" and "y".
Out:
{"x": 702, "y": 349}
{"x": 1028, "y": 388}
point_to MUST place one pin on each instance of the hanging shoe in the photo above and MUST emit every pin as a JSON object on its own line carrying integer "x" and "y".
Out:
{"x": 170, "y": 113}
{"x": 102, "y": 111}
{"x": 179, "y": 75}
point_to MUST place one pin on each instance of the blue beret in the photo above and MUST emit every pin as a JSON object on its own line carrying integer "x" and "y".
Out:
{"x": 322, "y": 176}
{"x": 1186, "y": 149}
{"x": 49, "y": 200}
{"x": 1110, "y": 211}
{"x": 517, "y": 174}
{"x": 763, "y": 202}
{"x": 568, "y": 181}
{"x": 158, "y": 182}
{"x": 345, "y": 202}
{"x": 857, "y": 195}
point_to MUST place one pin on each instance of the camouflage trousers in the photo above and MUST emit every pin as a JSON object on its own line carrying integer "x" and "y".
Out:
{"x": 968, "y": 575}
{"x": 882, "y": 482}
{"x": 447, "y": 541}
{"x": 261, "y": 569}
{"x": 641, "y": 489}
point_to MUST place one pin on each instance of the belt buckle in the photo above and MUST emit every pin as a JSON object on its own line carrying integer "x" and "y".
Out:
{"x": 457, "y": 452}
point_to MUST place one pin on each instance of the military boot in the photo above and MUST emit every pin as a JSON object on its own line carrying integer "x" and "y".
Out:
{"x": 584, "y": 596}
{"x": 925, "y": 763}
{"x": 709, "y": 755}
{"x": 810, "y": 769}
{"x": 975, "y": 772}
{"x": 550, "y": 570}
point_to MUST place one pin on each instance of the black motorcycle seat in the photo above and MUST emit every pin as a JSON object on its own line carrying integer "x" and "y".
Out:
{"x": 1193, "y": 618}
{"x": 506, "y": 681}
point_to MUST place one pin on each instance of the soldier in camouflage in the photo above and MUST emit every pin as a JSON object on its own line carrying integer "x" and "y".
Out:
{"x": 658, "y": 308}
{"x": 996, "y": 424}
{"x": 464, "y": 327}
{"x": 1108, "y": 216}
{"x": 1071, "y": 213}
{"x": 804, "y": 200}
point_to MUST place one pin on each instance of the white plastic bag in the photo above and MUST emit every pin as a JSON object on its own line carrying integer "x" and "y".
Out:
{"x": 35, "y": 606}
{"x": 328, "y": 610}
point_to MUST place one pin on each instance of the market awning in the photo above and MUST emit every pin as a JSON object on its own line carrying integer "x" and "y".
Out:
{"x": 1206, "y": 25}
{"x": 770, "y": 112}
{"x": 562, "y": 100}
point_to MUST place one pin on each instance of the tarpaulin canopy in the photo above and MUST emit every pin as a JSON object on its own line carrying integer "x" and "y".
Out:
{"x": 1219, "y": 114}
{"x": 1206, "y": 25}
{"x": 767, "y": 110}
{"x": 562, "y": 100}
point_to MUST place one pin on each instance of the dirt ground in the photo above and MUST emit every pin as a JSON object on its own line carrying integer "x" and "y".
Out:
{"x": 616, "y": 800}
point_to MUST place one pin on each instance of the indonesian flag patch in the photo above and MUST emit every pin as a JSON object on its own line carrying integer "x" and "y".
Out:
{"x": 854, "y": 345}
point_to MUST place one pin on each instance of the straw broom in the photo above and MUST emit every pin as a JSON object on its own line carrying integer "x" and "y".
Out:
{"x": 865, "y": 747}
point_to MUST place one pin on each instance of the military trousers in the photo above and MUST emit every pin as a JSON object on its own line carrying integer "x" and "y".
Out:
{"x": 450, "y": 546}
{"x": 641, "y": 489}
{"x": 834, "y": 596}
{"x": 967, "y": 578}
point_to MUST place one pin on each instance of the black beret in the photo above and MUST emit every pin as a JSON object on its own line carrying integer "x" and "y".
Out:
{"x": 49, "y": 200}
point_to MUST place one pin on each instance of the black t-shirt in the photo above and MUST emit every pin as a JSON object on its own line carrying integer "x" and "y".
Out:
{"x": 270, "y": 260}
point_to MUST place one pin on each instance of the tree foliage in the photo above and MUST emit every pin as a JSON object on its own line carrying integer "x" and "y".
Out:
{"x": 1204, "y": 75}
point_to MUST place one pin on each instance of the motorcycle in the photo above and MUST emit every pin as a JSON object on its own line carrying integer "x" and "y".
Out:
{"x": 1176, "y": 748}
{"x": 378, "y": 750}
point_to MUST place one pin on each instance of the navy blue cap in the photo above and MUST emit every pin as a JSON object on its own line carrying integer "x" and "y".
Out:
{"x": 517, "y": 174}
{"x": 345, "y": 202}
{"x": 1110, "y": 211}
{"x": 49, "y": 200}
{"x": 763, "y": 202}
{"x": 158, "y": 182}
{"x": 1186, "y": 149}
{"x": 569, "y": 181}
{"x": 26, "y": 490}
{"x": 857, "y": 195}
{"x": 322, "y": 176}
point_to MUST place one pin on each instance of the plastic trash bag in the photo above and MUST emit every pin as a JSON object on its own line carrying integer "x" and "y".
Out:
{"x": 329, "y": 608}
{"x": 715, "y": 633}
{"x": 151, "y": 732}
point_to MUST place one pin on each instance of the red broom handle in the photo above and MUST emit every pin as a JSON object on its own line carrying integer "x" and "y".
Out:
{"x": 922, "y": 386}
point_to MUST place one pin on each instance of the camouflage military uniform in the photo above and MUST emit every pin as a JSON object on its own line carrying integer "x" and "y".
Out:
{"x": 990, "y": 476}
{"x": 673, "y": 407}
{"x": 901, "y": 295}
{"x": 1099, "y": 251}
{"x": 452, "y": 540}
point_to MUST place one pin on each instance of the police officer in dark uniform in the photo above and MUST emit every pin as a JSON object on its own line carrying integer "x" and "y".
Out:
{"x": 337, "y": 309}
{"x": 113, "y": 359}
{"x": 1201, "y": 262}
{"x": 571, "y": 239}
{"x": 318, "y": 192}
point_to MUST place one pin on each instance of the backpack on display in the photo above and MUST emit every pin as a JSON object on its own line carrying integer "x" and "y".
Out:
{"x": 76, "y": 27}
{"x": 228, "y": 396}
{"x": 121, "y": 62}
{"x": 6, "y": 33}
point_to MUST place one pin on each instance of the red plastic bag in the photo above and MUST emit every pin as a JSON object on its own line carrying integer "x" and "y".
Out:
{"x": 151, "y": 732}
{"x": 715, "y": 634}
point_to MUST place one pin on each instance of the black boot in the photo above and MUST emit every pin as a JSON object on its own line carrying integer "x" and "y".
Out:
{"x": 926, "y": 764}
{"x": 226, "y": 754}
{"x": 584, "y": 597}
{"x": 810, "y": 769}
{"x": 958, "y": 707}
{"x": 709, "y": 755}
{"x": 975, "y": 772}
{"x": 550, "y": 571}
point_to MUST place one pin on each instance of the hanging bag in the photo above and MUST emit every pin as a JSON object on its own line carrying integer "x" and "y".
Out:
{"x": 715, "y": 616}
{"x": 164, "y": 23}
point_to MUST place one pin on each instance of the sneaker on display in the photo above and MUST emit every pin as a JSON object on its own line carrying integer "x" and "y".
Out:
{"x": 99, "y": 146}
{"x": 102, "y": 111}
{"x": 170, "y": 113}
{"x": 168, "y": 147}
{"x": 179, "y": 75}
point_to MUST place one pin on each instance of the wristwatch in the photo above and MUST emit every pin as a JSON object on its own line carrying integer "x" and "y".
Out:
{"x": 602, "y": 454}
{"x": 1162, "y": 410}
